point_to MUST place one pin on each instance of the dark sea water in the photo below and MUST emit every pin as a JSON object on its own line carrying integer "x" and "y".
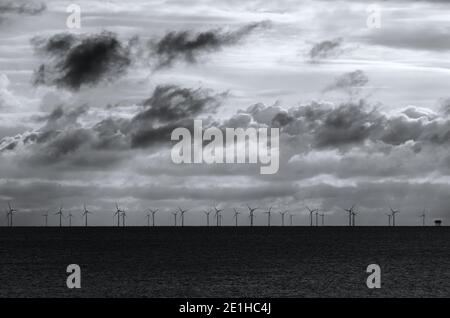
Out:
{"x": 225, "y": 261}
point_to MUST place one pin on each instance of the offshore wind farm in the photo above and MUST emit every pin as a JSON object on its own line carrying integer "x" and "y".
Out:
{"x": 179, "y": 217}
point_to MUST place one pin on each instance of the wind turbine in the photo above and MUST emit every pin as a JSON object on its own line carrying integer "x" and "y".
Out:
{"x": 291, "y": 218}
{"x": 7, "y": 217}
{"x": 389, "y": 218}
{"x": 217, "y": 214}
{"x": 353, "y": 218}
{"x": 252, "y": 214}
{"x": 207, "y": 213}
{"x": 124, "y": 215}
{"x": 423, "y": 217}
{"x": 269, "y": 212}
{"x": 175, "y": 217}
{"x": 69, "y": 216}
{"x": 394, "y": 212}
{"x": 236, "y": 213}
{"x": 323, "y": 218}
{"x": 153, "y": 212}
{"x": 350, "y": 214}
{"x": 60, "y": 215}
{"x": 85, "y": 214}
{"x": 282, "y": 216}
{"x": 148, "y": 218}
{"x": 311, "y": 212}
{"x": 11, "y": 214}
{"x": 182, "y": 212}
{"x": 118, "y": 211}
{"x": 317, "y": 217}
{"x": 46, "y": 218}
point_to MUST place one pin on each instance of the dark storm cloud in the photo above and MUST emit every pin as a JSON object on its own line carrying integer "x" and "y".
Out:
{"x": 173, "y": 106}
{"x": 81, "y": 60}
{"x": 346, "y": 125}
{"x": 22, "y": 7}
{"x": 187, "y": 45}
{"x": 171, "y": 102}
{"x": 63, "y": 138}
{"x": 325, "y": 49}
{"x": 351, "y": 82}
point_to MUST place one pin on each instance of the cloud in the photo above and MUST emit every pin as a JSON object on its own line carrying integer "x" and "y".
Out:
{"x": 63, "y": 137}
{"x": 173, "y": 106}
{"x": 351, "y": 83}
{"x": 445, "y": 107}
{"x": 187, "y": 45}
{"x": 326, "y": 49}
{"x": 74, "y": 61}
{"x": 171, "y": 102}
{"x": 7, "y": 98}
{"x": 22, "y": 7}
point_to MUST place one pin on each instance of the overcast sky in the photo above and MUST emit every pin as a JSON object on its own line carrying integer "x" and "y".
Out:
{"x": 86, "y": 114}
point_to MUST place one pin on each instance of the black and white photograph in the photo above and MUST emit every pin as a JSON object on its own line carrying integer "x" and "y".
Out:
{"x": 169, "y": 149}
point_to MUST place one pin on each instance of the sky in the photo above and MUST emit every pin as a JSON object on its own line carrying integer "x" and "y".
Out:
{"x": 87, "y": 113}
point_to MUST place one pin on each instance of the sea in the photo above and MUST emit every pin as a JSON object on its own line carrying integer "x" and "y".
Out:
{"x": 161, "y": 262}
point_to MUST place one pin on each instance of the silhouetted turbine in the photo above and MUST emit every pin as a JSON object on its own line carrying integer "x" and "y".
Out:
{"x": 60, "y": 213}
{"x": 153, "y": 212}
{"x": 394, "y": 212}
{"x": 353, "y": 218}
{"x": 389, "y": 218}
{"x": 282, "y": 216}
{"x": 46, "y": 218}
{"x": 236, "y": 213}
{"x": 269, "y": 212}
{"x": 252, "y": 214}
{"x": 11, "y": 214}
{"x": 207, "y": 213}
{"x": 350, "y": 213}
{"x": 323, "y": 218}
{"x": 118, "y": 212}
{"x": 217, "y": 214}
{"x": 175, "y": 217}
{"x": 311, "y": 212}
{"x": 423, "y": 215}
{"x": 70, "y": 218}
{"x": 182, "y": 212}
{"x": 291, "y": 217}
{"x": 85, "y": 214}
{"x": 124, "y": 215}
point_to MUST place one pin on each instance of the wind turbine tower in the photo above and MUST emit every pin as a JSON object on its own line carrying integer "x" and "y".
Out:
{"x": 85, "y": 214}
{"x": 11, "y": 214}
{"x": 269, "y": 212}
{"x": 153, "y": 212}
{"x": 252, "y": 214}
{"x": 60, "y": 213}
{"x": 282, "y": 217}
{"x": 311, "y": 212}
{"x": 236, "y": 213}
{"x": 207, "y": 213}
{"x": 182, "y": 212}
{"x": 350, "y": 214}
{"x": 217, "y": 214}
{"x": 394, "y": 212}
